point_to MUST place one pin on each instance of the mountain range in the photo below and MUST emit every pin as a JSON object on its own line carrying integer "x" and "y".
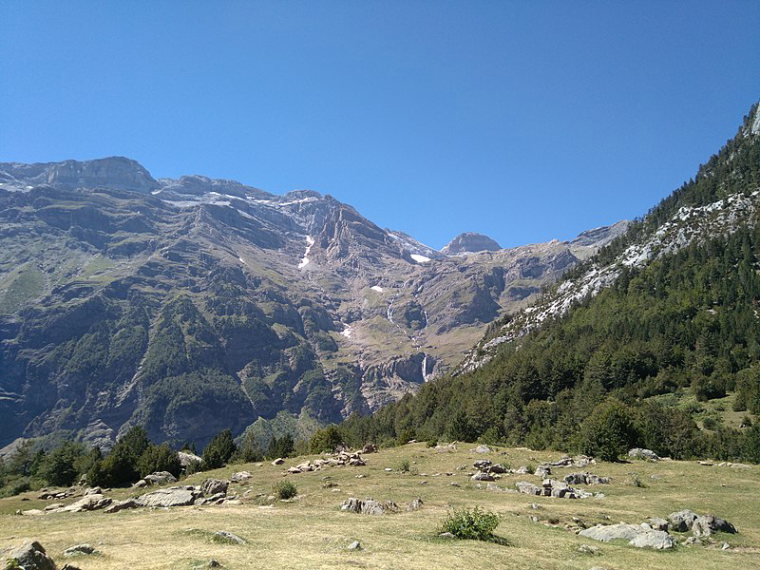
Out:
{"x": 193, "y": 305}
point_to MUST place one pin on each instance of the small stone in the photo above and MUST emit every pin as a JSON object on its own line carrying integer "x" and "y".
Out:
{"x": 355, "y": 545}
{"x": 79, "y": 549}
{"x": 229, "y": 537}
{"x": 446, "y": 535}
{"x": 213, "y": 564}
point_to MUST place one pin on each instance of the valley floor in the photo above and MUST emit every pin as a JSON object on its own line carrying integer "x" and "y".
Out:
{"x": 310, "y": 531}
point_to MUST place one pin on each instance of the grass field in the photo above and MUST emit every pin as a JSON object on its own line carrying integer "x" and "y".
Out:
{"x": 311, "y": 532}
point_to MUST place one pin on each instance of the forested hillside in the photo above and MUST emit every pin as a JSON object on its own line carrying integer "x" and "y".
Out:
{"x": 645, "y": 358}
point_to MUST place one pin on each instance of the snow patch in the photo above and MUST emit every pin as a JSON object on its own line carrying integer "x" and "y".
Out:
{"x": 377, "y": 288}
{"x": 305, "y": 260}
{"x": 419, "y": 258}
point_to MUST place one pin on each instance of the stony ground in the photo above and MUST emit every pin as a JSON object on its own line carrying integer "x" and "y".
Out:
{"x": 310, "y": 531}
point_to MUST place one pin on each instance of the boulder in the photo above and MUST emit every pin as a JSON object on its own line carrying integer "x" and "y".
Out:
{"x": 543, "y": 471}
{"x": 226, "y": 536}
{"x": 656, "y": 539}
{"x": 528, "y": 488}
{"x": 355, "y": 545}
{"x": 482, "y": 464}
{"x": 414, "y": 505}
{"x": 87, "y": 503}
{"x": 706, "y": 525}
{"x": 682, "y": 521}
{"x": 278, "y": 461}
{"x": 522, "y": 470}
{"x": 659, "y": 524}
{"x": 368, "y": 506}
{"x": 94, "y": 491}
{"x": 636, "y": 535}
{"x": 369, "y": 448}
{"x": 481, "y": 476}
{"x": 80, "y": 549}
{"x": 160, "y": 478}
{"x": 646, "y": 454}
{"x": 214, "y": 486}
{"x": 30, "y": 556}
{"x": 170, "y": 497}
{"x": 497, "y": 468}
{"x": 482, "y": 449}
{"x": 186, "y": 459}
{"x": 448, "y": 448}
{"x": 121, "y": 506}
{"x": 240, "y": 476}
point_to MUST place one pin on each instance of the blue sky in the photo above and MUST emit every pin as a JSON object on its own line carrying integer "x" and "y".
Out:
{"x": 526, "y": 121}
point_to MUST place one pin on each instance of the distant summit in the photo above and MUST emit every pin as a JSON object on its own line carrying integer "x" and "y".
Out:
{"x": 470, "y": 242}
{"x": 115, "y": 172}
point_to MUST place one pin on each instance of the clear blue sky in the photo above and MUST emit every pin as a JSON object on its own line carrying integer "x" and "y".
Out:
{"x": 522, "y": 120}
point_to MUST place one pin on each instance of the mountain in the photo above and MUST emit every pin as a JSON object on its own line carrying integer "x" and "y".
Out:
{"x": 193, "y": 305}
{"x": 657, "y": 333}
{"x": 470, "y": 242}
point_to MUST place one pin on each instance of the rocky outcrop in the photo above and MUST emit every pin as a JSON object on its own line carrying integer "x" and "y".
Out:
{"x": 638, "y": 536}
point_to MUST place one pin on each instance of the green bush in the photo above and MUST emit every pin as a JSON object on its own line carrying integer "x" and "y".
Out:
{"x": 404, "y": 466}
{"x": 471, "y": 524}
{"x": 285, "y": 490}
{"x": 609, "y": 431}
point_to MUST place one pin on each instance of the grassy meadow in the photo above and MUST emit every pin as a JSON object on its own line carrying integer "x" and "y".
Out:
{"x": 310, "y": 531}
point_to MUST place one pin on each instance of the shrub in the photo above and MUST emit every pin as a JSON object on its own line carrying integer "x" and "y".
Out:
{"x": 285, "y": 490}
{"x": 609, "y": 431}
{"x": 404, "y": 466}
{"x": 471, "y": 524}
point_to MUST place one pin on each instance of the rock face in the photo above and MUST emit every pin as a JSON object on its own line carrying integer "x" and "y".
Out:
{"x": 470, "y": 242}
{"x": 195, "y": 305}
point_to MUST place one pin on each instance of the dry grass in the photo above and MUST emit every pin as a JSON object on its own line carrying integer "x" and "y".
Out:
{"x": 311, "y": 532}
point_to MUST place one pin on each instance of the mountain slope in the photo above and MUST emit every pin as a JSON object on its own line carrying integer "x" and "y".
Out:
{"x": 194, "y": 305}
{"x": 667, "y": 311}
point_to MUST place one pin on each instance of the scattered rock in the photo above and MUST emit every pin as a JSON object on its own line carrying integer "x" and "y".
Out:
{"x": 448, "y": 448}
{"x": 646, "y": 454}
{"x": 585, "y": 479}
{"x": 214, "y": 486}
{"x": 481, "y": 476}
{"x": 659, "y": 524}
{"x": 368, "y": 506}
{"x": 121, "y": 506}
{"x": 588, "y": 549}
{"x": 229, "y": 537}
{"x": 170, "y": 497}
{"x": 522, "y": 470}
{"x": 94, "y": 491}
{"x": 80, "y": 549}
{"x": 482, "y": 464}
{"x": 636, "y": 535}
{"x": 482, "y": 449}
{"x": 240, "y": 476}
{"x": 528, "y": 488}
{"x": 446, "y": 535}
{"x": 278, "y": 461}
{"x": 682, "y": 521}
{"x": 213, "y": 564}
{"x": 414, "y": 505}
{"x": 31, "y": 556}
{"x": 543, "y": 471}
{"x": 355, "y": 545}
{"x": 369, "y": 448}
{"x": 705, "y": 525}
{"x": 160, "y": 478}
{"x": 186, "y": 459}
{"x": 498, "y": 468}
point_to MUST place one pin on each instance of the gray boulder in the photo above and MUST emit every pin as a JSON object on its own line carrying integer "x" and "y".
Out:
{"x": 646, "y": 454}
{"x": 160, "y": 478}
{"x": 228, "y": 537}
{"x": 706, "y": 525}
{"x": 368, "y": 506}
{"x": 659, "y": 524}
{"x": 481, "y": 476}
{"x": 117, "y": 506}
{"x": 214, "y": 486}
{"x": 170, "y": 497}
{"x": 482, "y": 464}
{"x": 80, "y": 549}
{"x": 682, "y": 521}
{"x": 528, "y": 488}
{"x": 543, "y": 471}
{"x": 656, "y": 539}
{"x": 482, "y": 449}
{"x": 31, "y": 556}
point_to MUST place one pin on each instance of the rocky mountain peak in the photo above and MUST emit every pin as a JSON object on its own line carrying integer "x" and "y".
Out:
{"x": 470, "y": 242}
{"x": 114, "y": 172}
